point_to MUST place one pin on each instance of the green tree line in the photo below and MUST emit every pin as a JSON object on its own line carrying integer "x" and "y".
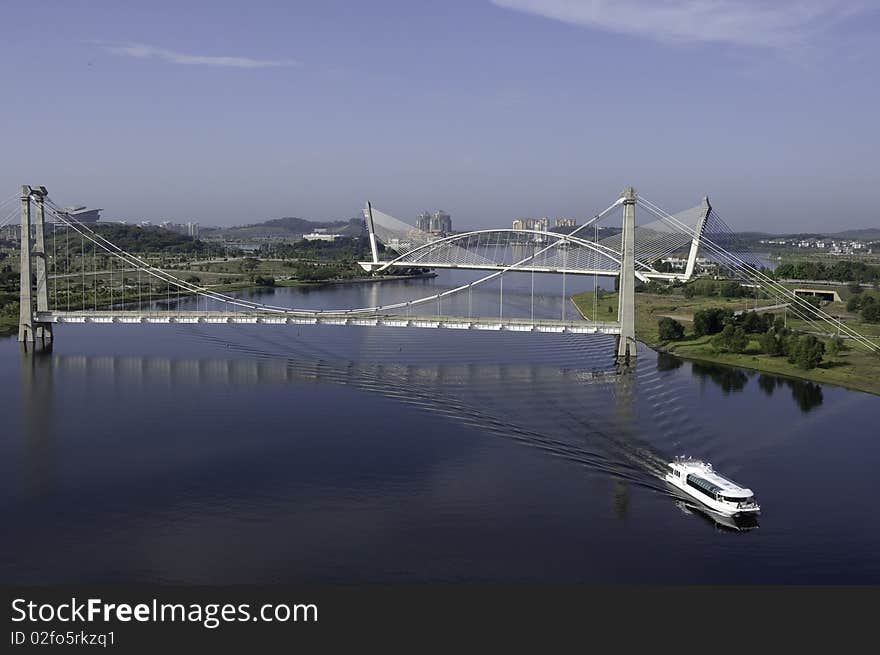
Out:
{"x": 841, "y": 271}
{"x": 733, "y": 333}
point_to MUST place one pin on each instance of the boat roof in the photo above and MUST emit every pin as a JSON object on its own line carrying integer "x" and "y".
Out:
{"x": 705, "y": 471}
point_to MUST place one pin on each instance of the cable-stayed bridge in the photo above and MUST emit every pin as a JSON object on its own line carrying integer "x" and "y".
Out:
{"x": 632, "y": 253}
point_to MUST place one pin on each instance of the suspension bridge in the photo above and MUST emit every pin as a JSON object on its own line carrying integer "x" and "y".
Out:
{"x": 630, "y": 254}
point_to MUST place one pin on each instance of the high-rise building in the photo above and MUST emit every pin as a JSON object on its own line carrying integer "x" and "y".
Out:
{"x": 539, "y": 224}
{"x": 566, "y": 222}
{"x": 438, "y": 222}
{"x": 441, "y": 222}
{"x": 531, "y": 223}
{"x": 190, "y": 229}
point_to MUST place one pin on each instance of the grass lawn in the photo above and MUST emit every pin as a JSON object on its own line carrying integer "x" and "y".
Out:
{"x": 852, "y": 368}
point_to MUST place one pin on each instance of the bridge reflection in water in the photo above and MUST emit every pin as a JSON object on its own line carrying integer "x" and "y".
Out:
{"x": 468, "y": 393}
{"x": 248, "y": 372}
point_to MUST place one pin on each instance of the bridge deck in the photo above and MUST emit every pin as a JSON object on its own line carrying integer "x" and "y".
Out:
{"x": 127, "y": 317}
{"x": 601, "y": 272}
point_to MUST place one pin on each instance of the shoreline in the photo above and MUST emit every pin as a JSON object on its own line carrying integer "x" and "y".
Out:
{"x": 238, "y": 286}
{"x": 355, "y": 280}
{"x": 754, "y": 364}
{"x": 662, "y": 349}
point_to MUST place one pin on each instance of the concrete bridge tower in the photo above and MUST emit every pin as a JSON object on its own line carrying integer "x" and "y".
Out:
{"x": 33, "y": 264}
{"x": 626, "y": 344}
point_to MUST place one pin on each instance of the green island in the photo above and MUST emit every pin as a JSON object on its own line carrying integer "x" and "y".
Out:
{"x": 710, "y": 321}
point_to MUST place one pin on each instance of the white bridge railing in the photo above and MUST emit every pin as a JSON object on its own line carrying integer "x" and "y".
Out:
{"x": 213, "y": 317}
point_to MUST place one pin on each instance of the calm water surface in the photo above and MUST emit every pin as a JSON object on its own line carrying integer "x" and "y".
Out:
{"x": 199, "y": 454}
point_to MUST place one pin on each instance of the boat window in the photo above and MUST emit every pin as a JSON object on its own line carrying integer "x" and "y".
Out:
{"x": 703, "y": 485}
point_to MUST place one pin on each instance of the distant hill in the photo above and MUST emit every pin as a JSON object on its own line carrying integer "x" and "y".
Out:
{"x": 865, "y": 234}
{"x": 289, "y": 227}
{"x": 136, "y": 238}
{"x": 868, "y": 234}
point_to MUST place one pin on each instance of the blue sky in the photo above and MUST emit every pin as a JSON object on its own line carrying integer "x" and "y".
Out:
{"x": 235, "y": 112}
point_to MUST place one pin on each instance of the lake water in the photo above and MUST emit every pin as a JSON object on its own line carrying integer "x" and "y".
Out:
{"x": 230, "y": 454}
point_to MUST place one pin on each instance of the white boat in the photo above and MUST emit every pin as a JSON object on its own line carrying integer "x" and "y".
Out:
{"x": 700, "y": 481}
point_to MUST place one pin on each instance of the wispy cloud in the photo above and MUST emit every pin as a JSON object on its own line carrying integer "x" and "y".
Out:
{"x": 142, "y": 51}
{"x": 777, "y": 24}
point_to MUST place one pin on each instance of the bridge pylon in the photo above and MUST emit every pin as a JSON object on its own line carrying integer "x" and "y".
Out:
{"x": 705, "y": 208}
{"x": 34, "y": 267}
{"x": 626, "y": 343}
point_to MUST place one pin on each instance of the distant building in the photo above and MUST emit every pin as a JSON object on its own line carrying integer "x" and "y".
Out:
{"x": 83, "y": 214}
{"x": 441, "y": 222}
{"x": 675, "y": 262}
{"x": 321, "y": 234}
{"x": 190, "y": 229}
{"x": 438, "y": 222}
{"x": 540, "y": 224}
{"x": 566, "y": 222}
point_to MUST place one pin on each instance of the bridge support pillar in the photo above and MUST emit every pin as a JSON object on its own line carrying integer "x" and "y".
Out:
{"x": 705, "y": 208}
{"x": 29, "y": 330}
{"x": 626, "y": 343}
{"x": 41, "y": 264}
{"x": 371, "y": 232}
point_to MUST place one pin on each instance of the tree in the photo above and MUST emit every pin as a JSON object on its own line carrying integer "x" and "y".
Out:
{"x": 732, "y": 290}
{"x": 662, "y": 267}
{"x": 807, "y": 352}
{"x": 871, "y": 312}
{"x": 835, "y": 346}
{"x": 711, "y": 320}
{"x": 854, "y": 288}
{"x": 740, "y": 341}
{"x": 752, "y": 322}
{"x": 731, "y": 339}
{"x": 770, "y": 343}
{"x": 670, "y": 329}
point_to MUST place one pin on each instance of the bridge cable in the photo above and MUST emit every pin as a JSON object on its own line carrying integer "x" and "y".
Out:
{"x": 67, "y": 264}
{"x": 533, "y": 294}
{"x": 55, "y": 264}
{"x": 728, "y": 257}
{"x": 724, "y": 254}
{"x": 758, "y": 275}
{"x": 596, "y": 281}
{"x": 170, "y": 279}
{"x": 780, "y": 292}
{"x": 82, "y": 265}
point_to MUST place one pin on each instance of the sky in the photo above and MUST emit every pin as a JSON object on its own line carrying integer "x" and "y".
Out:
{"x": 229, "y": 113}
